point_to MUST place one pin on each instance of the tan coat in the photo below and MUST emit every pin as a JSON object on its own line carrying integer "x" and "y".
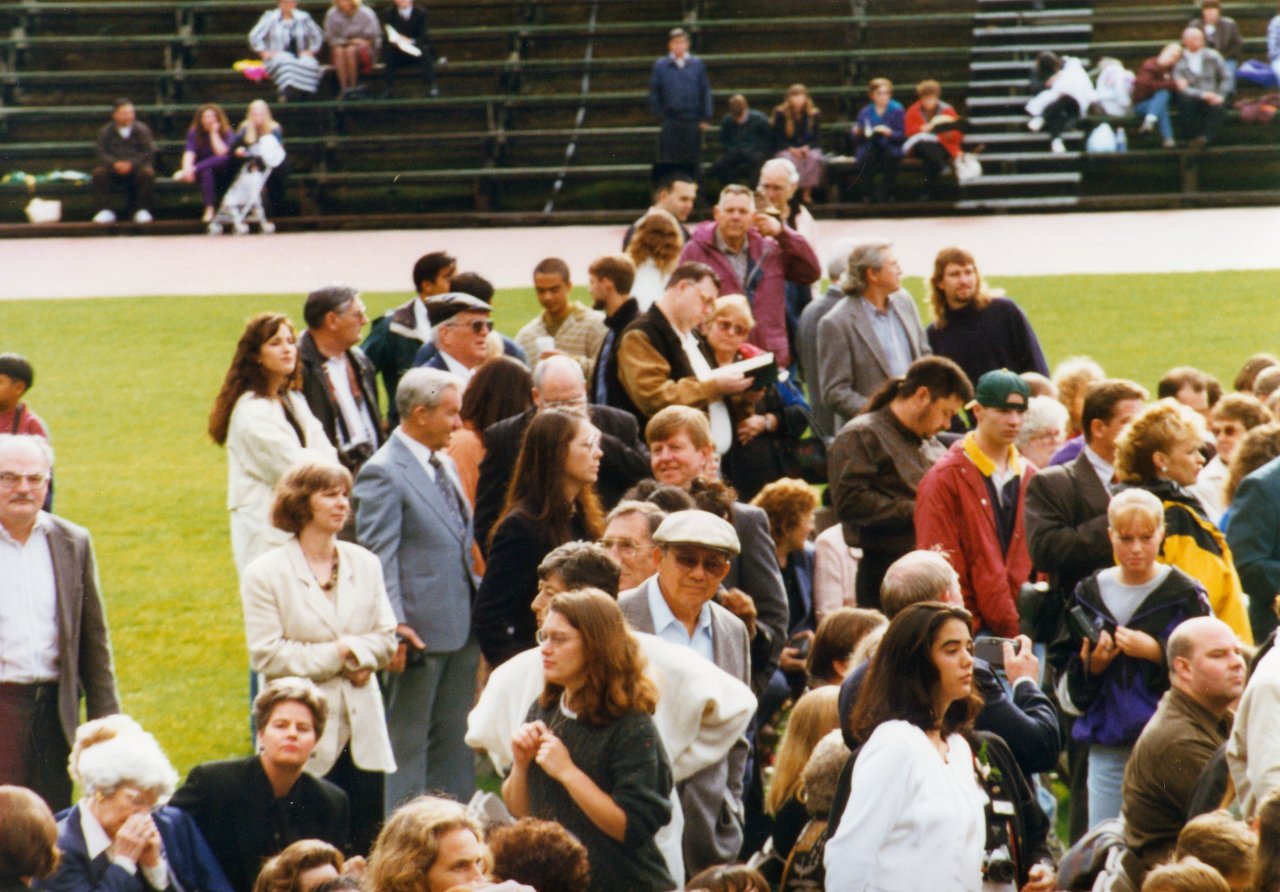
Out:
{"x": 293, "y": 628}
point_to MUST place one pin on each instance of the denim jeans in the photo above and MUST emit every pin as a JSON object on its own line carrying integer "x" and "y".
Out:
{"x": 1158, "y": 105}
{"x": 1106, "y": 775}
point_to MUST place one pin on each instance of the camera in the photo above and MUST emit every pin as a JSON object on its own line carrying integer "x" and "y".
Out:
{"x": 997, "y": 866}
{"x": 355, "y": 455}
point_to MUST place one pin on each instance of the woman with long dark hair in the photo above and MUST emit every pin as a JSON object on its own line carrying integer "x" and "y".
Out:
{"x": 262, "y": 418}
{"x": 500, "y": 388}
{"x": 551, "y": 500}
{"x": 589, "y": 756}
{"x": 795, "y": 137}
{"x": 208, "y": 159}
{"x": 914, "y": 787}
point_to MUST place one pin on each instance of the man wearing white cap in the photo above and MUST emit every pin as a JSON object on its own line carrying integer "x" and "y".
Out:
{"x": 693, "y": 551}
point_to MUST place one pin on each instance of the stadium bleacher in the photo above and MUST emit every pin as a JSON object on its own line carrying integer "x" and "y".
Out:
{"x": 517, "y": 80}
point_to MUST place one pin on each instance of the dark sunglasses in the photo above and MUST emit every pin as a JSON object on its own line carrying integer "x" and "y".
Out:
{"x": 479, "y": 326}
{"x": 689, "y": 560}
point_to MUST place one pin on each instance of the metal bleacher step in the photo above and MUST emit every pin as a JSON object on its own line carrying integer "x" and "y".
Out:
{"x": 1019, "y": 137}
{"x": 1018, "y": 32}
{"x": 1048, "y": 202}
{"x": 1024, "y": 179}
{"x": 1068, "y": 49}
{"x": 1036, "y": 158}
{"x": 1012, "y": 83}
{"x": 987, "y": 102}
{"x": 1030, "y": 15}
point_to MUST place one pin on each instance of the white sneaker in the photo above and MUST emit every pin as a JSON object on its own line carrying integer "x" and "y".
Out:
{"x": 1035, "y": 124}
{"x": 143, "y": 216}
{"x": 1148, "y": 124}
{"x": 104, "y": 216}
{"x": 1057, "y": 146}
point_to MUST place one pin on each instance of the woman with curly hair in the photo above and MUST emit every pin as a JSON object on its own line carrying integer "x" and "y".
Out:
{"x": 589, "y": 756}
{"x": 551, "y": 501}
{"x": 795, "y": 137}
{"x": 262, "y": 418}
{"x": 1160, "y": 452}
{"x": 655, "y": 250}
{"x": 429, "y": 844}
{"x": 301, "y": 867}
{"x": 540, "y": 854}
{"x": 207, "y": 159}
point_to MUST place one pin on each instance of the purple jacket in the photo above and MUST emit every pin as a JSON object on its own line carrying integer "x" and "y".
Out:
{"x": 774, "y": 263}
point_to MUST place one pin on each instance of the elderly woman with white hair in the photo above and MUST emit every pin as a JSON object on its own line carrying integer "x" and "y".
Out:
{"x": 1044, "y": 429}
{"x": 120, "y": 836}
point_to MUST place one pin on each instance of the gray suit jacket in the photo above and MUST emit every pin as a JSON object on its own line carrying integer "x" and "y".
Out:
{"x": 84, "y": 646}
{"x": 851, "y": 360}
{"x": 711, "y": 798}
{"x": 755, "y": 571}
{"x": 426, "y": 554}
{"x": 807, "y": 348}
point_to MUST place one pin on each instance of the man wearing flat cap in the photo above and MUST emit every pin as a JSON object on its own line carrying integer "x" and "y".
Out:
{"x": 970, "y": 505}
{"x": 693, "y": 549}
{"x": 460, "y": 325}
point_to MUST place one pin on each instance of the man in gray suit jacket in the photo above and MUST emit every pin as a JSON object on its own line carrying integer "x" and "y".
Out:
{"x": 871, "y": 337}
{"x": 53, "y": 630}
{"x": 675, "y": 604}
{"x": 410, "y": 511}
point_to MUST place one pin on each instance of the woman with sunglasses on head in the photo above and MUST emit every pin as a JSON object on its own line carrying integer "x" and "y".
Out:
{"x": 551, "y": 500}
{"x": 761, "y": 418}
{"x": 589, "y": 756}
{"x": 914, "y": 818}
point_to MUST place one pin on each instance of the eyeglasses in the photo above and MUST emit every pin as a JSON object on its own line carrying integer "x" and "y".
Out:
{"x": 555, "y": 639}
{"x": 689, "y": 560}
{"x": 478, "y": 326}
{"x": 732, "y": 328}
{"x": 9, "y": 480}
{"x": 625, "y": 547}
{"x": 578, "y": 402}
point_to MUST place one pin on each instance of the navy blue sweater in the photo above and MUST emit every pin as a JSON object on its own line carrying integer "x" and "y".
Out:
{"x": 995, "y": 337}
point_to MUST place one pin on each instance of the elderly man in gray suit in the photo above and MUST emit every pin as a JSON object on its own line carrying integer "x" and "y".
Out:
{"x": 675, "y": 604}
{"x": 410, "y": 511}
{"x": 874, "y": 335}
{"x": 54, "y": 645}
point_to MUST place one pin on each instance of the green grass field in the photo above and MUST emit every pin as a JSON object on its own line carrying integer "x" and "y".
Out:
{"x": 126, "y": 386}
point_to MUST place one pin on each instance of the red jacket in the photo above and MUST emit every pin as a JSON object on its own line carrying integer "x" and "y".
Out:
{"x": 774, "y": 263}
{"x": 953, "y": 512}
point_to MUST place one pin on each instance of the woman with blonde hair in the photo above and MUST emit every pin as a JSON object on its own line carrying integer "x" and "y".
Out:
{"x": 815, "y": 715}
{"x": 429, "y": 844}
{"x": 1160, "y": 453}
{"x": 795, "y": 137}
{"x": 352, "y": 31}
{"x": 257, "y": 124}
{"x": 655, "y": 250}
{"x": 589, "y": 756}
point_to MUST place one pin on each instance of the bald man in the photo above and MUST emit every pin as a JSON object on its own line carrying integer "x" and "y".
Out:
{"x": 1206, "y": 676}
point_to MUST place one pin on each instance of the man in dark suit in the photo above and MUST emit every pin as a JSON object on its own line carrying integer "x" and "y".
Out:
{"x": 338, "y": 380}
{"x": 411, "y": 513}
{"x": 252, "y": 808}
{"x": 680, "y": 451}
{"x": 558, "y": 383}
{"x": 409, "y": 21}
{"x": 676, "y": 604}
{"x": 54, "y": 646}
{"x": 1066, "y": 517}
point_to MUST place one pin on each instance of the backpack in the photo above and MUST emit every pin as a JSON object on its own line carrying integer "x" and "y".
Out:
{"x": 1259, "y": 111}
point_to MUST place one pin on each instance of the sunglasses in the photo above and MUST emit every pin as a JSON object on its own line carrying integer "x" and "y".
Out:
{"x": 478, "y": 326}
{"x": 689, "y": 560}
{"x": 732, "y": 328}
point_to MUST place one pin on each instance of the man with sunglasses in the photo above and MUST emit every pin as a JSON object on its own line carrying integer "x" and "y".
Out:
{"x": 54, "y": 646}
{"x": 693, "y": 550}
{"x": 460, "y": 326}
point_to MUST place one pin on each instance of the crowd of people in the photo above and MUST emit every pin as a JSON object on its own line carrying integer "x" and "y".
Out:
{"x": 587, "y": 550}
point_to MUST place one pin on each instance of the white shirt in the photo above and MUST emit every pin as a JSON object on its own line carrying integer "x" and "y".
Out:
{"x": 28, "y": 608}
{"x": 421, "y": 323}
{"x": 124, "y": 131}
{"x": 1208, "y": 488}
{"x": 1105, "y": 470}
{"x": 96, "y": 842}
{"x": 359, "y": 428}
{"x": 424, "y": 454}
{"x": 913, "y": 821}
{"x": 457, "y": 369}
{"x": 721, "y": 423}
{"x": 670, "y": 629}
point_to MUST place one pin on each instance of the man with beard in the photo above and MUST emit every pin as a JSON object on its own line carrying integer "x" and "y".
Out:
{"x": 610, "y": 280}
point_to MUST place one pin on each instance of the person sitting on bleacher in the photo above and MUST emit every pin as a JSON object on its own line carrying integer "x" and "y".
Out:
{"x": 288, "y": 39}
{"x": 1203, "y": 84}
{"x": 354, "y": 36}
{"x": 1221, "y": 33}
{"x": 410, "y": 22}
{"x": 207, "y": 159}
{"x": 878, "y": 135}
{"x": 935, "y": 150}
{"x": 1153, "y": 90}
{"x": 126, "y": 155}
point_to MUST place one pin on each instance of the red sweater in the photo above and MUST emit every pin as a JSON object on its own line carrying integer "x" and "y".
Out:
{"x": 952, "y": 140}
{"x": 953, "y": 512}
{"x": 1151, "y": 79}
